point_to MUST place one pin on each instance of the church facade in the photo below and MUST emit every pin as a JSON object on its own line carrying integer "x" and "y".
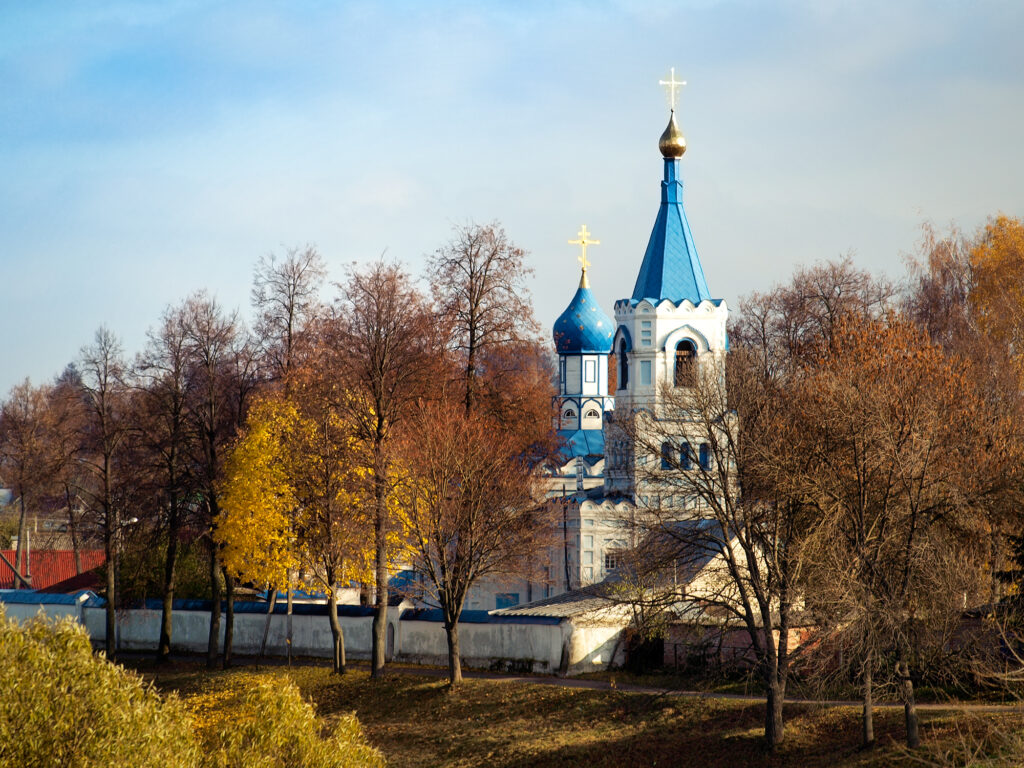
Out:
{"x": 669, "y": 331}
{"x": 666, "y": 333}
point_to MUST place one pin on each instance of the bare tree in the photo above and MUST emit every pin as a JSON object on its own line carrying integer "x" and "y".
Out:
{"x": 475, "y": 508}
{"x": 285, "y": 294}
{"x": 69, "y": 414}
{"x": 106, "y": 397}
{"x": 707, "y": 461}
{"x": 212, "y": 339}
{"x": 163, "y": 372}
{"x": 719, "y": 461}
{"x": 384, "y": 344}
{"x": 890, "y": 420}
{"x": 26, "y": 456}
{"x": 478, "y": 281}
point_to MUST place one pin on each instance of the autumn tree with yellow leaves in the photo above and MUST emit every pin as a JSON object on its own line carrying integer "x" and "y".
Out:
{"x": 293, "y": 502}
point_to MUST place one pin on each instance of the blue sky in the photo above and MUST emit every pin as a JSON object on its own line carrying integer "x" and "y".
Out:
{"x": 151, "y": 149}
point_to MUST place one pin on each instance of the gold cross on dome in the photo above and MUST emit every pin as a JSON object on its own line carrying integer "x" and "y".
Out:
{"x": 583, "y": 242}
{"x": 672, "y": 85}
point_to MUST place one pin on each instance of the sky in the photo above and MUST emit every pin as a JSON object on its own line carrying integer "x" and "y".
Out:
{"x": 148, "y": 150}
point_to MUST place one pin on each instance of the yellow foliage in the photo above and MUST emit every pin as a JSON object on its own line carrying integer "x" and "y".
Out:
{"x": 257, "y": 510}
{"x": 997, "y": 260}
{"x": 295, "y": 498}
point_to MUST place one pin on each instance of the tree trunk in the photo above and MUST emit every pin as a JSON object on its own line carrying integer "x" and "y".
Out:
{"x": 111, "y": 555}
{"x": 774, "y": 699}
{"x": 380, "y": 617}
{"x": 868, "y": 714}
{"x": 229, "y": 625}
{"x": 19, "y": 550}
{"x": 290, "y": 599}
{"x": 909, "y": 706}
{"x": 454, "y": 661}
{"x": 76, "y": 545}
{"x": 336, "y": 631}
{"x": 163, "y": 652}
{"x": 271, "y": 604}
{"x": 214, "y": 641}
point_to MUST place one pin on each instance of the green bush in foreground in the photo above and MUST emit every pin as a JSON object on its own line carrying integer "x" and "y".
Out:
{"x": 61, "y": 705}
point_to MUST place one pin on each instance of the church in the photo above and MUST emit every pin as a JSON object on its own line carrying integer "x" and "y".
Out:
{"x": 667, "y": 332}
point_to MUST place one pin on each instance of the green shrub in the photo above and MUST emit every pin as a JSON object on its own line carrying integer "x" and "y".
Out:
{"x": 61, "y": 705}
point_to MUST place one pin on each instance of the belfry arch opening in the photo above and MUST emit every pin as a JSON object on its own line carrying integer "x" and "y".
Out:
{"x": 686, "y": 364}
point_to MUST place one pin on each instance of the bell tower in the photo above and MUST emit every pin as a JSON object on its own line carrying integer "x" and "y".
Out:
{"x": 670, "y": 330}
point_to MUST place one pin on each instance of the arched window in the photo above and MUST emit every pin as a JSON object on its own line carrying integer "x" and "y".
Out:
{"x": 569, "y": 414}
{"x": 686, "y": 362}
{"x": 592, "y": 414}
{"x": 623, "y": 365}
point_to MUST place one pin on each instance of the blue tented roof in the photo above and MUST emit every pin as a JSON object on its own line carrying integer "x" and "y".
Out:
{"x": 582, "y": 442}
{"x": 671, "y": 268}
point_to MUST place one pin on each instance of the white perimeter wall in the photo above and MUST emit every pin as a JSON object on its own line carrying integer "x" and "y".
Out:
{"x": 500, "y": 646}
{"x": 505, "y": 646}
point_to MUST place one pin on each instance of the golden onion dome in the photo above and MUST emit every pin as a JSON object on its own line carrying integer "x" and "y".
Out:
{"x": 672, "y": 144}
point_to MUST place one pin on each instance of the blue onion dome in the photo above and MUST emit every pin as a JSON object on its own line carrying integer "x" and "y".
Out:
{"x": 583, "y": 327}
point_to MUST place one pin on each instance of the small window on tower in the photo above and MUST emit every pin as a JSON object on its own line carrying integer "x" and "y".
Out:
{"x": 592, "y": 414}
{"x": 623, "y": 365}
{"x": 569, "y": 414}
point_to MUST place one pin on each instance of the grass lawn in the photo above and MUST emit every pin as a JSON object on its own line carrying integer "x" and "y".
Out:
{"x": 416, "y": 722}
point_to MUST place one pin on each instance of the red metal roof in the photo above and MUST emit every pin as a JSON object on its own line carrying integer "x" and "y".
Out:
{"x": 48, "y": 566}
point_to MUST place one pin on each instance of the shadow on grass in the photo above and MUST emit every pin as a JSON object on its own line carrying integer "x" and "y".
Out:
{"x": 416, "y": 721}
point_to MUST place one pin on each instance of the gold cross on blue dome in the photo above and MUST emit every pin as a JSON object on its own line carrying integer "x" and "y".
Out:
{"x": 583, "y": 241}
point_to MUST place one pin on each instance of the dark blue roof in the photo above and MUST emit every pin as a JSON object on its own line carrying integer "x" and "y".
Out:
{"x": 583, "y": 327}
{"x": 582, "y": 442}
{"x": 34, "y": 597}
{"x": 257, "y": 606}
{"x": 671, "y": 268}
